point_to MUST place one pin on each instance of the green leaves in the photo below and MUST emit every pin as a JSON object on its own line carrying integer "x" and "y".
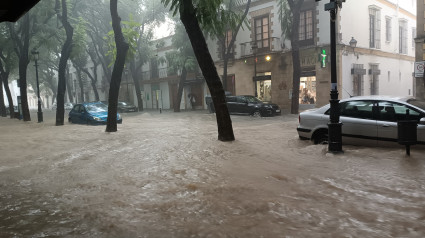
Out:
{"x": 131, "y": 32}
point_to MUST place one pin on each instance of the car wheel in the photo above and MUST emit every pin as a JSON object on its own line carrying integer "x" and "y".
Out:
{"x": 321, "y": 137}
{"x": 256, "y": 114}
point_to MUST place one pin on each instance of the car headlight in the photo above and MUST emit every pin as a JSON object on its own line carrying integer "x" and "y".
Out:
{"x": 97, "y": 118}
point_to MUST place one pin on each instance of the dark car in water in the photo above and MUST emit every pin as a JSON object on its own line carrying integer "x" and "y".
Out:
{"x": 248, "y": 105}
{"x": 124, "y": 107}
{"x": 94, "y": 113}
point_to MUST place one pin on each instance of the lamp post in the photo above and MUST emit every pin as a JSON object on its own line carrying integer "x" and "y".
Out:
{"x": 35, "y": 53}
{"x": 334, "y": 125}
{"x": 254, "y": 51}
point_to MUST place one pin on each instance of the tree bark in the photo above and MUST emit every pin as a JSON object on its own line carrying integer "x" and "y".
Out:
{"x": 5, "y": 80}
{"x": 180, "y": 89}
{"x": 69, "y": 87}
{"x": 296, "y": 66}
{"x": 80, "y": 83}
{"x": 65, "y": 53}
{"x": 122, "y": 48}
{"x": 2, "y": 105}
{"x": 209, "y": 71}
{"x": 22, "y": 51}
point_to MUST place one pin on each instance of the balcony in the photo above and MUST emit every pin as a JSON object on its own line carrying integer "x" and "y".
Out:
{"x": 155, "y": 74}
{"x": 271, "y": 45}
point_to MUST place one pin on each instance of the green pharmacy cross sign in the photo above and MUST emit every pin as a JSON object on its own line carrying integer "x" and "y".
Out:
{"x": 323, "y": 58}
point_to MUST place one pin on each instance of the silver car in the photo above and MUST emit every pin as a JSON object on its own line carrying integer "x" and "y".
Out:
{"x": 367, "y": 120}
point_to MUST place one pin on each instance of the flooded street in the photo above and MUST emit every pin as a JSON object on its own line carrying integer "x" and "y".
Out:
{"x": 167, "y": 175}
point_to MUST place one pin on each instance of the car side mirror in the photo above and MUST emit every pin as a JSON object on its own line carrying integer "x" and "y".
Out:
{"x": 422, "y": 121}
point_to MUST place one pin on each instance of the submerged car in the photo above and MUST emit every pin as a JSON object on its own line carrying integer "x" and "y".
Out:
{"x": 126, "y": 107}
{"x": 95, "y": 113}
{"x": 367, "y": 120}
{"x": 249, "y": 105}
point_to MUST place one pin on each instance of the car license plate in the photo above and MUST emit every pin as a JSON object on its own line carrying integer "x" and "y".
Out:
{"x": 277, "y": 110}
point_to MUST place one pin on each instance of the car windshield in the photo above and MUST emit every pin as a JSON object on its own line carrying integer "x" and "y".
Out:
{"x": 99, "y": 107}
{"x": 417, "y": 103}
{"x": 252, "y": 99}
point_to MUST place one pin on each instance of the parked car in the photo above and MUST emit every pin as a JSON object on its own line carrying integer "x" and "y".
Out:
{"x": 369, "y": 120}
{"x": 126, "y": 107}
{"x": 67, "y": 105}
{"x": 248, "y": 105}
{"x": 15, "y": 109}
{"x": 94, "y": 113}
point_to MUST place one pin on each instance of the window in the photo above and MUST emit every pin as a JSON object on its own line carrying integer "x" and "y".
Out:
{"x": 402, "y": 34}
{"x": 358, "y": 73}
{"x": 374, "y": 80}
{"x": 306, "y": 28}
{"x": 358, "y": 109}
{"x": 388, "y": 29}
{"x": 413, "y": 36}
{"x": 261, "y": 25}
{"x": 374, "y": 28}
{"x": 391, "y": 111}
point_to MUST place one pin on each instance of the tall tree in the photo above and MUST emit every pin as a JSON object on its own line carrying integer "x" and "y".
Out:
{"x": 290, "y": 22}
{"x": 226, "y": 28}
{"x": 191, "y": 18}
{"x": 183, "y": 59}
{"x": 21, "y": 33}
{"x": 7, "y": 64}
{"x": 121, "y": 52}
{"x": 65, "y": 54}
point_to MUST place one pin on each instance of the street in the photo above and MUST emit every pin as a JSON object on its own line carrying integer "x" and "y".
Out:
{"x": 167, "y": 175}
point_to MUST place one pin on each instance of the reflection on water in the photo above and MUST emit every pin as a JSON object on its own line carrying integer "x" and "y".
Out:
{"x": 168, "y": 176}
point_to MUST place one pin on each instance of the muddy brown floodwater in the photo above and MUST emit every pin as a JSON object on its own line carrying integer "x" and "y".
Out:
{"x": 167, "y": 175}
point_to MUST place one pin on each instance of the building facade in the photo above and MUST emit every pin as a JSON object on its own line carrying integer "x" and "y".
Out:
{"x": 420, "y": 46}
{"x": 381, "y": 62}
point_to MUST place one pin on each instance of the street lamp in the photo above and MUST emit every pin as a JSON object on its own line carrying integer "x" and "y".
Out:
{"x": 334, "y": 125}
{"x": 254, "y": 51}
{"x": 35, "y": 53}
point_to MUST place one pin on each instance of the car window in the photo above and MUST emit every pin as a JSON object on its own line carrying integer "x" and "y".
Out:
{"x": 417, "y": 102}
{"x": 99, "y": 107}
{"x": 391, "y": 111}
{"x": 252, "y": 99}
{"x": 358, "y": 109}
{"x": 241, "y": 99}
{"x": 231, "y": 99}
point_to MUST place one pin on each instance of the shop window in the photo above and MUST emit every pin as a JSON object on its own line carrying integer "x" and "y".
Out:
{"x": 307, "y": 90}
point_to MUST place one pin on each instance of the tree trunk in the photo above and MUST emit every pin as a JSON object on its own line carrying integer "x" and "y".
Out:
{"x": 134, "y": 73}
{"x": 5, "y": 79}
{"x": 209, "y": 71}
{"x": 80, "y": 83}
{"x": 23, "y": 65}
{"x": 180, "y": 89}
{"x": 65, "y": 53}
{"x": 296, "y": 66}
{"x": 2, "y": 105}
{"x": 122, "y": 48}
{"x": 93, "y": 81}
{"x": 69, "y": 87}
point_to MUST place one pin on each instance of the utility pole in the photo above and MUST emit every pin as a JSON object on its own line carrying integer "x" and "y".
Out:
{"x": 334, "y": 125}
